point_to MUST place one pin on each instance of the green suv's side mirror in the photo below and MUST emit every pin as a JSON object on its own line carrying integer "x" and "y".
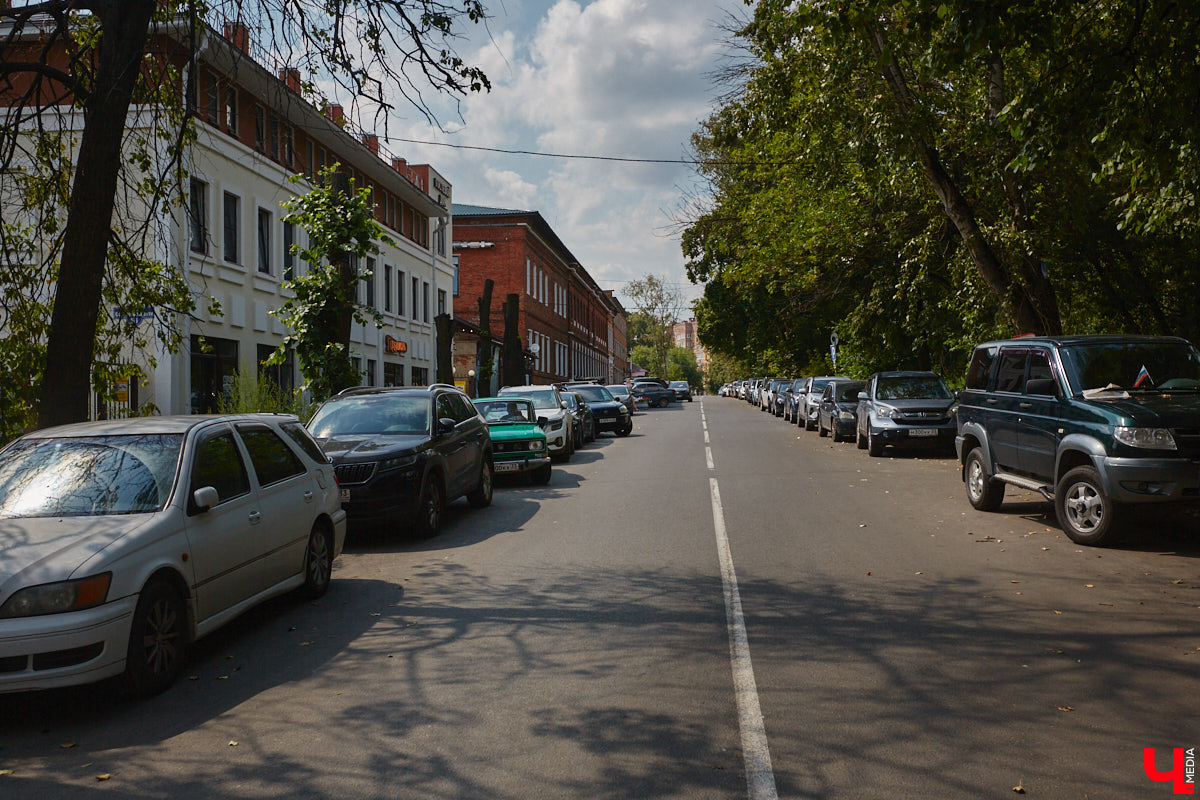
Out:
{"x": 1042, "y": 386}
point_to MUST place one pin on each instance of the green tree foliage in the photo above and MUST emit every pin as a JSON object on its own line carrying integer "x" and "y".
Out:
{"x": 657, "y": 306}
{"x": 870, "y": 156}
{"x": 681, "y": 366}
{"x": 85, "y": 67}
{"x": 341, "y": 229}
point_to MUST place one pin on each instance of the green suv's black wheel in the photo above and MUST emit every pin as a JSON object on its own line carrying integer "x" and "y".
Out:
{"x": 318, "y": 562}
{"x": 481, "y": 495}
{"x": 157, "y": 639}
{"x": 1086, "y": 513}
{"x": 429, "y": 510}
{"x": 983, "y": 493}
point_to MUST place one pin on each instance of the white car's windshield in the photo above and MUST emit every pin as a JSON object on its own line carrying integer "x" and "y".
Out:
{"x": 88, "y": 476}
{"x": 542, "y": 398}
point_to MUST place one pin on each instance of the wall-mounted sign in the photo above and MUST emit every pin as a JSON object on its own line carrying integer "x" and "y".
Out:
{"x": 394, "y": 345}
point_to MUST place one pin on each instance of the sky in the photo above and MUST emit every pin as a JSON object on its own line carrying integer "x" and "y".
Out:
{"x": 624, "y": 78}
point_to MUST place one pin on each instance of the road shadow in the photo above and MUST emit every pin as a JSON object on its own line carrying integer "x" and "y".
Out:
{"x": 931, "y": 688}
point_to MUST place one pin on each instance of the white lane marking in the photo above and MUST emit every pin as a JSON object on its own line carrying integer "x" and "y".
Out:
{"x": 708, "y": 457}
{"x": 760, "y": 777}
{"x": 706, "y": 436}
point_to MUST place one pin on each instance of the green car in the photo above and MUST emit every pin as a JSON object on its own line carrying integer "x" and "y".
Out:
{"x": 518, "y": 443}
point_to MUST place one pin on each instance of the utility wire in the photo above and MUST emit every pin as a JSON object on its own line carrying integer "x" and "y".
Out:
{"x": 686, "y": 161}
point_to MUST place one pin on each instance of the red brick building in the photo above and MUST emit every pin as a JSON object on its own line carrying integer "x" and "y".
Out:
{"x": 565, "y": 317}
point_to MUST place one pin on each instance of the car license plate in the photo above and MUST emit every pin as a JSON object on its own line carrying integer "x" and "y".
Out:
{"x": 510, "y": 466}
{"x": 608, "y": 419}
{"x": 922, "y": 432}
{"x": 345, "y": 495}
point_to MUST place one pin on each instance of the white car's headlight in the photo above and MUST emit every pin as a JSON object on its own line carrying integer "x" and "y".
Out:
{"x": 55, "y": 598}
{"x": 887, "y": 412}
{"x": 1149, "y": 438}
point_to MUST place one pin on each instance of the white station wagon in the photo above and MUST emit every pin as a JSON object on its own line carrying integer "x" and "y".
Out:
{"x": 122, "y": 541}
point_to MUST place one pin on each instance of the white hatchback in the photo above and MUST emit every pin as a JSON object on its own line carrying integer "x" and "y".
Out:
{"x": 122, "y": 541}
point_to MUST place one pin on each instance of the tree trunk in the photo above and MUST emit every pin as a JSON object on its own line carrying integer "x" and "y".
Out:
{"x": 483, "y": 370}
{"x": 66, "y": 381}
{"x": 513, "y": 357}
{"x": 345, "y": 306}
{"x": 1013, "y": 297}
{"x": 445, "y": 358}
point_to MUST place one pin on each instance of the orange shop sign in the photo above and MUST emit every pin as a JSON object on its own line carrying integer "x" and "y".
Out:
{"x": 394, "y": 345}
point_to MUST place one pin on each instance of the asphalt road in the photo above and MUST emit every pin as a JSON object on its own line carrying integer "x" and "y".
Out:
{"x": 573, "y": 641}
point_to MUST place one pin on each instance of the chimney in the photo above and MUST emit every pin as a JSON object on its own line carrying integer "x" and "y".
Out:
{"x": 372, "y": 142}
{"x": 337, "y": 114}
{"x": 239, "y": 34}
{"x": 291, "y": 77}
{"x": 399, "y": 164}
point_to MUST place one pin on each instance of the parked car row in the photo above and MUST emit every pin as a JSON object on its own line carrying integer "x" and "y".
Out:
{"x": 123, "y": 541}
{"x": 1099, "y": 425}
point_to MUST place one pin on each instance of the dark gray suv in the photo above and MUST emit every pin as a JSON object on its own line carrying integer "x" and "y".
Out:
{"x": 1097, "y": 424}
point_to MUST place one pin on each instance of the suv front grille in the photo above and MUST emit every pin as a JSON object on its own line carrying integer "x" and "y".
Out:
{"x": 1188, "y": 442}
{"x": 354, "y": 473}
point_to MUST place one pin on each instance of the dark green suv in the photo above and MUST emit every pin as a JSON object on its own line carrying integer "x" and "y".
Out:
{"x": 1094, "y": 423}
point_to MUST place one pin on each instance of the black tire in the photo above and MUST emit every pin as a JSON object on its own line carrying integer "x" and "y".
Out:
{"x": 428, "y": 520}
{"x": 1087, "y": 514}
{"x": 983, "y": 493}
{"x": 318, "y": 562}
{"x": 628, "y": 429}
{"x": 541, "y": 475}
{"x": 481, "y": 495}
{"x": 808, "y": 423}
{"x": 157, "y": 640}
{"x": 821, "y": 426}
{"x": 860, "y": 440}
{"x": 874, "y": 446}
{"x": 689, "y": 399}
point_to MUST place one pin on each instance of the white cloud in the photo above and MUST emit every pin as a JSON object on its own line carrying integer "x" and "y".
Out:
{"x": 625, "y": 78}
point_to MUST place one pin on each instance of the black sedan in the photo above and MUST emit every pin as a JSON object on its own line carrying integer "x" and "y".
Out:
{"x": 611, "y": 414}
{"x": 838, "y": 412}
{"x": 652, "y": 394}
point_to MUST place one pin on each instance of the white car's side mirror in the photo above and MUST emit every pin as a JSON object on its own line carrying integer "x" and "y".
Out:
{"x": 205, "y": 497}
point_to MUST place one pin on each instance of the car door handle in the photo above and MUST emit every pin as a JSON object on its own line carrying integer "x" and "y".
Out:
{"x": 991, "y": 401}
{"x": 308, "y": 496}
{"x": 1024, "y": 406}
{"x": 255, "y": 517}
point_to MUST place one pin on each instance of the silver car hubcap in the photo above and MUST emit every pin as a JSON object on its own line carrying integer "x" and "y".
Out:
{"x": 1085, "y": 509}
{"x": 975, "y": 480}
{"x": 318, "y": 559}
{"x": 161, "y": 639}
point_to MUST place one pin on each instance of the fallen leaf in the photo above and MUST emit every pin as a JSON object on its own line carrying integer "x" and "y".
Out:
{"x": 103, "y": 776}
{"x": 1057, "y": 612}
{"x": 193, "y": 677}
{"x": 232, "y": 743}
{"x": 305, "y": 644}
{"x": 222, "y": 677}
{"x": 1064, "y": 708}
{"x": 868, "y": 574}
{"x": 1060, "y": 652}
{"x": 6, "y": 772}
{"x": 922, "y": 573}
{"x": 1014, "y": 581}
{"x": 1177, "y": 582}
{"x": 1089, "y": 586}
{"x": 1110, "y": 605}
{"x": 67, "y": 745}
{"x": 1045, "y": 548}
{"x": 375, "y": 614}
{"x": 1019, "y": 789}
{"x": 863, "y": 525}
